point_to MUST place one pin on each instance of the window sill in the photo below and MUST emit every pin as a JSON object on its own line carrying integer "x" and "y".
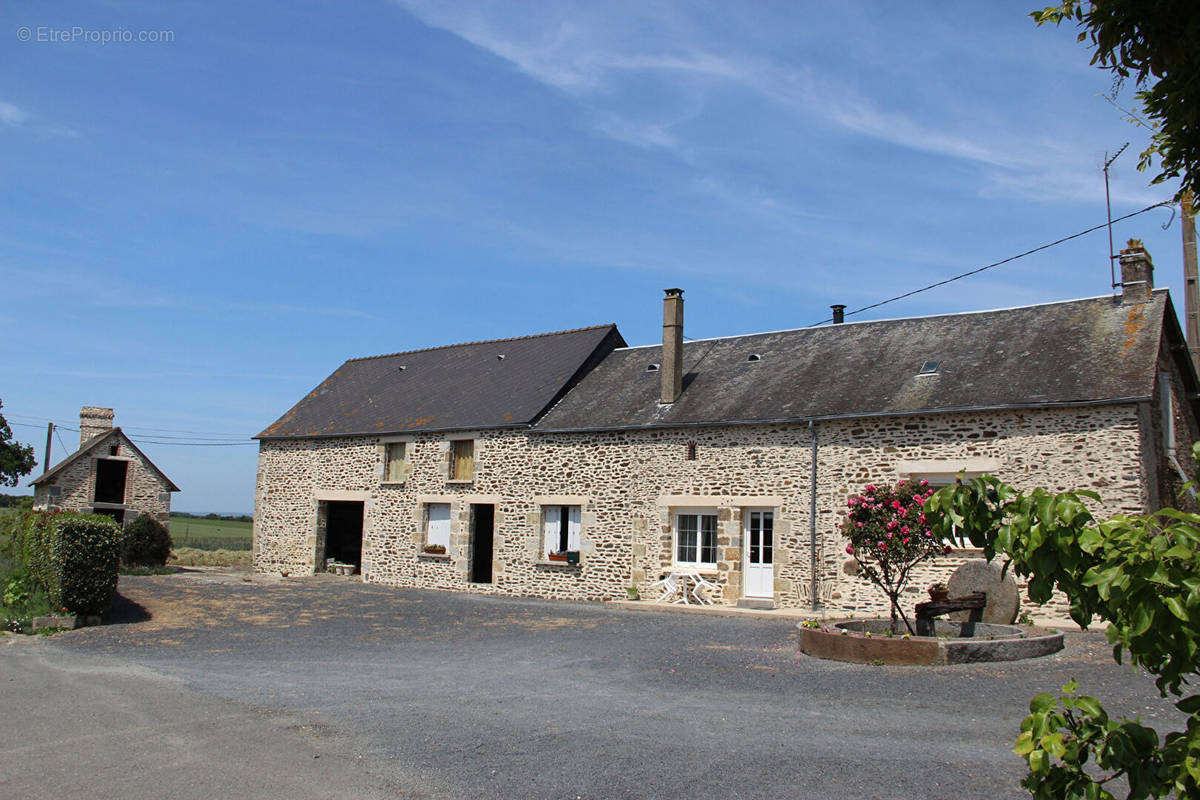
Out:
{"x": 392, "y": 484}
{"x": 560, "y": 564}
{"x": 705, "y": 570}
{"x": 460, "y": 481}
{"x": 434, "y": 556}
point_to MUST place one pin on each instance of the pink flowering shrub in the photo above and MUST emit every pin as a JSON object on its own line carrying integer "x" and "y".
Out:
{"x": 889, "y": 535}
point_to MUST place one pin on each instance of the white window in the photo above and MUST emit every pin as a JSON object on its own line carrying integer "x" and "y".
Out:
{"x": 437, "y": 524}
{"x": 560, "y": 529}
{"x": 696, "y": 539}
{"x": 940, "y": 480}
{"x": 395, "y": 462}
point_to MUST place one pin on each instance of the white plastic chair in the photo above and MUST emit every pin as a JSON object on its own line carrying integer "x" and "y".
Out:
{"x": 670, "y": 586}
{"x": 701, "y": 589}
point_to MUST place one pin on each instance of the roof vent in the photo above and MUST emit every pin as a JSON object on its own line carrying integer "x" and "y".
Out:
{"x": 402, "y": 367}
{"x": 929, "y": 368}
{"x": 500, "y": 357}
{"x": 754, "y": 357}
{"x": 652, "y": 368}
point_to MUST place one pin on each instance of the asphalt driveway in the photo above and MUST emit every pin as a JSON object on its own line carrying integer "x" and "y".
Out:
{"x": 214, "y": 683}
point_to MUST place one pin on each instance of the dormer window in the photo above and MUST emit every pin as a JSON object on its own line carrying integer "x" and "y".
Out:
{"x": 652, "y": 368}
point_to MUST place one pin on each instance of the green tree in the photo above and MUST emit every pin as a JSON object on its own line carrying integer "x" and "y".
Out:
{"x": 16, "y": 459}
{"x": 1155, "y": 44}
{"x": 1140, "y": 574}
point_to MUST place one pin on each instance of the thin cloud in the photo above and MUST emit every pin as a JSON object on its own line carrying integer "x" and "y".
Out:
{"x": 11, "y": 114}
{"x": 580, "y": 55}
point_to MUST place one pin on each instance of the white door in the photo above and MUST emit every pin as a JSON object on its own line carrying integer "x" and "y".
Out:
{"x": 760, "y": 554}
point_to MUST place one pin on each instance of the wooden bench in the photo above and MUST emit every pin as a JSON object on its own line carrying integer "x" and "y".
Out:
{"x": 973, "y": 602}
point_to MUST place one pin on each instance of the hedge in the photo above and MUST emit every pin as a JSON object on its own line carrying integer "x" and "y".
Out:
{"x": 74, "y": 557}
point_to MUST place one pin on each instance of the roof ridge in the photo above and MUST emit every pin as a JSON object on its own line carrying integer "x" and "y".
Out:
{"x": 826, "y": 326}
{"x": 484, "y": 341}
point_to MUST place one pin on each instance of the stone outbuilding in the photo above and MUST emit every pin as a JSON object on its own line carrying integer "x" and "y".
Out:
{"x": 475, "y": 467}
{"x": 107, "y": 475}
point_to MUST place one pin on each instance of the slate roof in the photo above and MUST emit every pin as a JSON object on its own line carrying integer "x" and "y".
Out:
{"x": 493, "y": 384}
{"x": 90, "y": 445}
{"x": 1068, "y": 353}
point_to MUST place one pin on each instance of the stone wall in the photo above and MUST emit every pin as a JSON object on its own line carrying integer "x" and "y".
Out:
{"x": 630, "y": 484}
{"x": 74, "y": 488}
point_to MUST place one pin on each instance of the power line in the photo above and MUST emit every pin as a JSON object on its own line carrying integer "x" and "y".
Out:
{"x": 156, "y": 432}
{"x": 995, "y": 264}
{"x": 194, "y": 444}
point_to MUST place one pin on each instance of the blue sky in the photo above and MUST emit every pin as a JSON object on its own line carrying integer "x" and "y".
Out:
{"x": 197, "y": 231}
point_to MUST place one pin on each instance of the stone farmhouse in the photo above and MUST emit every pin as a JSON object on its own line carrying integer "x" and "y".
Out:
{"x": 470, "y": 467}
{"x": 108, "y": 475}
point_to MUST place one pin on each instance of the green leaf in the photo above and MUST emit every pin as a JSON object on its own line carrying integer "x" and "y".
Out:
{"x": 1053, "y": 744}
{"x": 1038, "y": 762}
{"x": 1189, "y": 705}
{"x": 1042, "y": 703}
{"x": 1177, "y": 607}
{"x": 1090, "y": 706}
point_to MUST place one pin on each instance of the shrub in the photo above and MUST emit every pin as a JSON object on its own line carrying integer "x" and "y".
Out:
{"x": 73, "y": 557}
{"x": 147, "y": 543}
{"x": 889, "y": 536}
{"x": 1141, "y": 575}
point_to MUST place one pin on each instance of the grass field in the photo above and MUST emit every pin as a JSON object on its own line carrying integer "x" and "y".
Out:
{"x": 210, "y": 534}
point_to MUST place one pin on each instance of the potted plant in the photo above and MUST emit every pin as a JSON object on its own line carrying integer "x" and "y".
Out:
{"x": 557, "y": 555}
{"x": 633, "y": 593}
{"x": 435, "y": 549}
{"x": 939, "y": 592}
{"x": 572, "y": 556}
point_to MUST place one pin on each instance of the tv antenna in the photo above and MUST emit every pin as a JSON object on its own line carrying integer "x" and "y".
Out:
{"x": 1112, "y": 270}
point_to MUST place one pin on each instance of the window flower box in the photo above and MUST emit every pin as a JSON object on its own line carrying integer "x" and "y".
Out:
{"x": 434, "y": 550}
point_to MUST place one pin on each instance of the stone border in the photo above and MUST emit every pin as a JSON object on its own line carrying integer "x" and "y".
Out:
{"x": 70, "y": 622}
{"x": 867, "y": 642}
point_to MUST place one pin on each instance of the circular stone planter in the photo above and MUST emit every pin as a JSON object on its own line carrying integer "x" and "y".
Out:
{"x": 867, "y": 641}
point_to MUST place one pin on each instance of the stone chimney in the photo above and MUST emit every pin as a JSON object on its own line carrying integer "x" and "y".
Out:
{"x": 93, "y": 421}
{"x": 839, "y": 313}
{"x": 1137, "y": 273}
{"x": 672, "y": 347}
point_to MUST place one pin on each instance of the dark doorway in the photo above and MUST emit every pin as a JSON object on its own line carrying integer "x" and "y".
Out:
{"x": 482, "y": 521}
{"x": 117, "y": 514}
{"x": 343, "y": 532}
{"x": 110, "y": 480}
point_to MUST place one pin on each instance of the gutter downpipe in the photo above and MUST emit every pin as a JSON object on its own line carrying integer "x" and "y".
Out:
{"x": 812, "y": 516}
{"x": 1168, "y": 413}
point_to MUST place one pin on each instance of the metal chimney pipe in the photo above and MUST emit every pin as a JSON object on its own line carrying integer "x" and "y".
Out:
{"x": 839, "y": 313}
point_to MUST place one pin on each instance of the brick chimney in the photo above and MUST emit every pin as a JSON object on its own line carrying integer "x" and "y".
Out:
{"x": 93, "y": 421}
{"x": 672, "y": 347}
{"x": 1137, "y": 273}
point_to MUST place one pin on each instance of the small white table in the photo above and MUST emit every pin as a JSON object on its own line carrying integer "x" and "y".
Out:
{"x": 677, "y": 583}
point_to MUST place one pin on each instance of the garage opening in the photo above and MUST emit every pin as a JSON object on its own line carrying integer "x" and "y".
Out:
{"x": 483, "y": 517}
{"x": 343, "y": 532}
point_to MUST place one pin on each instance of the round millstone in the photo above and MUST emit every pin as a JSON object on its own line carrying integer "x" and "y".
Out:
{"x": 978, "y": 575}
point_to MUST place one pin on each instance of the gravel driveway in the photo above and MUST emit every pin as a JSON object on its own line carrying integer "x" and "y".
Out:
{"x": 219, "y": 683}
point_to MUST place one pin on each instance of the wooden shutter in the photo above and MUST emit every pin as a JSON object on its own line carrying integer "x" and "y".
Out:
{"x": 550, "y": 522}
{"x": 437, "y": 529}
{"x": 572, "y": 526}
